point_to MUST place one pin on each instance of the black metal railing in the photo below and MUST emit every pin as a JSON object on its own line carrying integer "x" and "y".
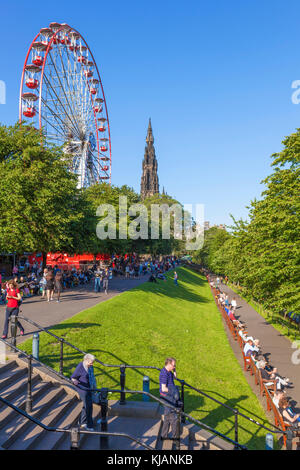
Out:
{"x": 104, "y": 402}
{"x": 122, "y": 367}
{"x": 75, "y": 431}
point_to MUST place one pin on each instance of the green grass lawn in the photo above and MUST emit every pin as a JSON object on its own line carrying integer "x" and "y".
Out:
{"x": 150, "y": 322}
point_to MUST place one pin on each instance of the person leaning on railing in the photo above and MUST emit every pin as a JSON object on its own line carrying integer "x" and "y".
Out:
{"x": 80, "y": 378}
{"x": 169, "y": 392}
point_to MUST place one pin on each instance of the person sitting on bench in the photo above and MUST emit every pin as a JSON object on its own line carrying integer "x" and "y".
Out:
{"x": 288, "y": 415}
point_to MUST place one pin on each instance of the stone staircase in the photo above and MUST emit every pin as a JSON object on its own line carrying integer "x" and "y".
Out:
{"x": 56, "y": 404}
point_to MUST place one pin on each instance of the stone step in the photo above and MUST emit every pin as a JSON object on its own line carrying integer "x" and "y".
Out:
{"x": 21, "y": 425}
{"x": 58, "y": 440}
{"x": 18, "y": 389}
{"x": 7, "y": 414}
{"x": 54, "y": 414}
{"x": 144, "y": 429}
{"x": 9, "y": 365}
{"x": 89, "y": 441}
{"x": 11, "y": 376}
{"x": 206, "y": 440}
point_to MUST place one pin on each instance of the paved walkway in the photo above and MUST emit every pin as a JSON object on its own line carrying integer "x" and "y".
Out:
{"x": 72, "y": 302}
{"x": 275, "y": 346}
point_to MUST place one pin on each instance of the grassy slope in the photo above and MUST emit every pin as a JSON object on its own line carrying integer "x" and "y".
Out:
{"x": 153, "y": 321}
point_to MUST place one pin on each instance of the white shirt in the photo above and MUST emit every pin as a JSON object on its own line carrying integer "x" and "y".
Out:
{"x": 247, "y": 348}
{"x": 242, "y": 335}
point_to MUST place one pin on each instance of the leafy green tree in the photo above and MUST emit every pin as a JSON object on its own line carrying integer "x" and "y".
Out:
{"x": 40, "y": 206}
{"x": 263, "y": 253}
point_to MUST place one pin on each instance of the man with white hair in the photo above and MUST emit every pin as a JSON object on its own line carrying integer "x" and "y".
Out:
{"x": 80, "y": 378}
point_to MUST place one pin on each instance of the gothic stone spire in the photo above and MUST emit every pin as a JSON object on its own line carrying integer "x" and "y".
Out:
{"x": 149, "y": 180}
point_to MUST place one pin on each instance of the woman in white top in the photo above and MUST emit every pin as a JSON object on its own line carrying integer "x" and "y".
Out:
{"x": 233, "y": 304}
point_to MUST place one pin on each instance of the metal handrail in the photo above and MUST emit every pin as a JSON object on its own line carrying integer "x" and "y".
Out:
{"x": 179, "y": 412}
{"x": 69, "y": 430}
{"x": 181, "y": 381}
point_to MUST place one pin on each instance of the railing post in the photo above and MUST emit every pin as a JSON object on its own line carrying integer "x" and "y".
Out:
{"x": 29, "y": 386}
{"x": 13, "y": 329}
{"x": 35, "y": 345}
{"x": 236, "y": 429}
{"x": 182, "y": 400}
{"x": 74, "y": 439}
{"x": 178, "y": 430}
{"x": 61, "y": 359}
{"x": 269, "y": 441}
{"x": 146, "y": 387}
{"x": 289, "y": 439}
{"x": 103, "y": 421}
{"x": 122, "y": 384}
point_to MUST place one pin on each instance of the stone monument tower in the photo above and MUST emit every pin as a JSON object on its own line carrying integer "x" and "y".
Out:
{"x": 149, "y": 180}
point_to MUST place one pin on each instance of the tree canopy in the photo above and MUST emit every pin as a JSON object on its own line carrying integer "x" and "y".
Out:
{"x": 41, "y": 208}
{"x": 263, "y": 253}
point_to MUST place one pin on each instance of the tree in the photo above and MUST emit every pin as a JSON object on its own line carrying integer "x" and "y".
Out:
{"x": 99, "y": 194}
{"x": 263, "y": 253}
{"x": 40, "y": 206}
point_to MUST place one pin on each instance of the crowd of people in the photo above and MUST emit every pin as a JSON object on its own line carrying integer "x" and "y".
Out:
{"x": 33, "y": 280}
{"x": 52, "y": 279}
{"x": 253, "y": 349}
{"x": 133, "y": 268}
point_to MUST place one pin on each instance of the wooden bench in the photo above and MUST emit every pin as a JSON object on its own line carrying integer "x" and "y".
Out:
{"x": 264, "y": 387}
{"x": 255, "y": 371}
{"x": 279, "y": 421}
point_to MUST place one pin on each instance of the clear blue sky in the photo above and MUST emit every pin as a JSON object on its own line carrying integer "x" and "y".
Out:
{"x": 215, "y": 77}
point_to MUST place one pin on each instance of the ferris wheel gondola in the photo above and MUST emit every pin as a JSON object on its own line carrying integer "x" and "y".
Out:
{"x": 61, "y": 93}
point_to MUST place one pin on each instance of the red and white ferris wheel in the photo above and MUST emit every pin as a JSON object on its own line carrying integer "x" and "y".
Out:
{"x": 61, "y": 93}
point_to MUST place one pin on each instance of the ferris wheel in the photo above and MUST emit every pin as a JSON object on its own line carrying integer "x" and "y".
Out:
{"x": 61, "y": 93}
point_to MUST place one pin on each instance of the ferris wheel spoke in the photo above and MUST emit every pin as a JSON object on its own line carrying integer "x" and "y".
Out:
{"x": 63, "y": 90}
{"x": 75, "y": 129}
{"x": 58, "y": 130}
{"x": 67, "y": 75}
{"x": 59, "y": 121}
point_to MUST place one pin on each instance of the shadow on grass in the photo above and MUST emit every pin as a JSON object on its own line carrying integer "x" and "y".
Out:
{"x": 168, "y": 288}
{"x": 218, "y": 416}
{"x": 69, "y": 326}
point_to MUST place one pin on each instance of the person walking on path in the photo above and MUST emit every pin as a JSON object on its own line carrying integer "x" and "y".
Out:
{"x": 97, "y": 285}
{"x": 43, "y": 283}
{"x": 175, "y": 278}
{"x": 12, "y": 308}
{"x": 169, "y": 392}
{"x": 49, "y": 285}
{"x": 58, "y": 284}
{"x": 80, "y": 378}
{"x": 105, "y": 280}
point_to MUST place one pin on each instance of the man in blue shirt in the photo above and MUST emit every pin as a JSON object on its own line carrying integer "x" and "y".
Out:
{"x": 80, "y": 378}
{"x": 169, "y": 392}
